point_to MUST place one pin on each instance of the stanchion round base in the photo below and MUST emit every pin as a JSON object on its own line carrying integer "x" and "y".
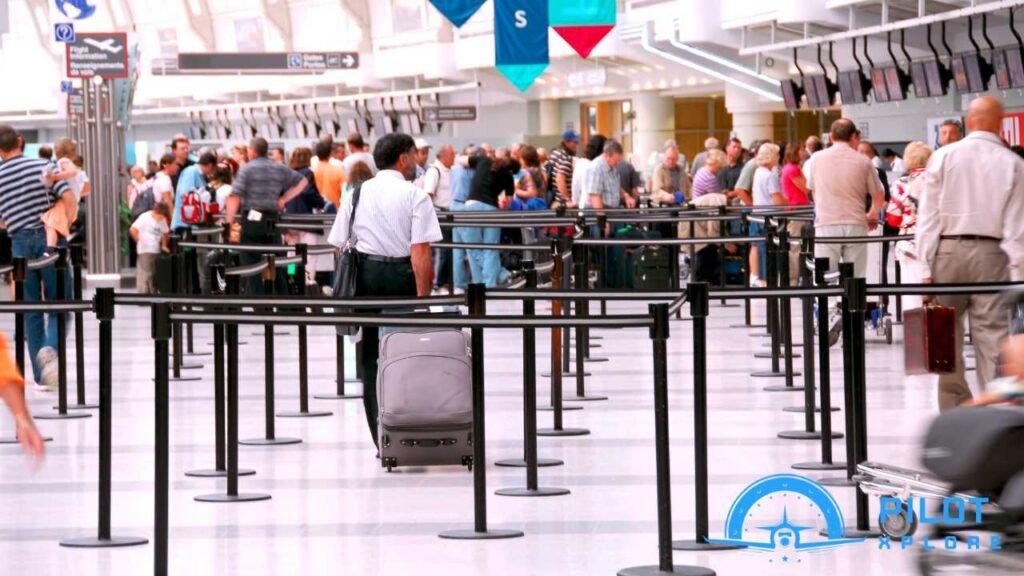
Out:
{"x": 805, "y": 435}
{"x": 261, "y": 334}
{"x": 564, "y": 374}
{"x": 748, "y": 326}
{"x": 213, "y": 473}
{"x": 182, "y": 379}
{"x": 552, "y": 408}
{"x": 81, "y": 407}
{"x": 353, "y": 381}
{"x": 59, "y": 416}
{"x": 551, "y": 432}
{"x": 592, "y": 359}
{"x": 769, "y": 355}
{"x": 819, "y": 466}
{"x": 853, "y": 532}
{"x": 226, "y": 498}
{"x": 783, "y": 388}
{"x": 801, "y": 409}
{"x": 526, "y": 492}
{"x": 694, "y": 546}
{"x": 337, "y": 396}
{"x": 191, "y": 366}
{"x": 269, "y": 441}
{"x": 836, "y": 482}
{"x": 795, "y": 345}
{"x": 112, "y": 542}
{"x": 490, "y": 534}
{"x": 521, "y": 463}
{"x": 677, "y": 569}
{"x": 771, "y": 374}
{"x": 16, "y": 441}
{"x": 308, "y": 414}
{"x": 760, "y": 334}
{"x": 726, "y": 305}
{"x": 196, "y": 354}
{"x": 587, "y": 398}
{"x": 240, "y": 343}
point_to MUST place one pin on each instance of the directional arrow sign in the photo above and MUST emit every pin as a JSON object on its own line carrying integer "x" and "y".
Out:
{"x": 101, "y": 54}
{"x": 267, "y": 62}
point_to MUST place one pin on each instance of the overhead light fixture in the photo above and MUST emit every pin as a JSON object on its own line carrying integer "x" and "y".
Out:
{"x": 691, "y": 81}
{"x": 662, "y": 84}
{"x": 720, "y": 60}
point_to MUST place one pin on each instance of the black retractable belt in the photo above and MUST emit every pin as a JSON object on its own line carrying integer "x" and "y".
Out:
{"x": 530, "y": 459}
{"x": 477, "y": 300}
{"x": 659, "y": 336}
{"x": 60, "y": 267}
{"x": 103, "y": 304}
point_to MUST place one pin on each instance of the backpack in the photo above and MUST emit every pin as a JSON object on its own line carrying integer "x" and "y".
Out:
{"x": 144, "y": 202}
{"x": 193, "y": 209}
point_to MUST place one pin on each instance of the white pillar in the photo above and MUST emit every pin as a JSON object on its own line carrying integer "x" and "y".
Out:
{"x": 655, "y": 123}
{"x": 750, "y": 126}
{"x": 550, "y": 117}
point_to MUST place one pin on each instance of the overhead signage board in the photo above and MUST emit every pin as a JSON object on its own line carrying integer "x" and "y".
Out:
{"x": 101, "y": 54}
{"x": 268, "y": 62}
{"x": 448, "y": 114}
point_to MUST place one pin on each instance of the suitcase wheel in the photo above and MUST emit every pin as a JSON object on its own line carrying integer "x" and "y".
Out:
{"x": 389, "y": 462}
{"x": 888, "y": 330}
{"x": 467, "y": 461}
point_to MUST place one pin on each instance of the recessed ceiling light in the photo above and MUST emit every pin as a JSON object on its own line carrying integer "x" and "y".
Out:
{"x": 676, "y": 83}
{"x": 635, "y": 86}
{"x": 648, "y": 85}
{"x": 691, "y": 81}
{"x": 705, "y": 81}
{"x": 540, "y": 81}
{"x": 662, "y": 84}
{"x": 647, "y": 69}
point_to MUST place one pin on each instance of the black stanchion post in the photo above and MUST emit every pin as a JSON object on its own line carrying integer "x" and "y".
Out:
{"x": 698, "y": 295}
{"x": 530, "y": 459}
{"x": 856, "y": 292}
{"x": 191, "y": 266}
{"x": 784, "y": 317}
{"x": 771, "y": 308}
{"x": 231, "y": 335}
{"x": 821, "y": 266}
{"x": 845, "y": 272}
{"x": 582, "y": 337}
{"x": 556, "y": 374}
{"x": 220, "y": 469}
{"x": 340, "y": 381}
{"x": 77, "y": 260}
{"x": 745, "y": 249}
{"x": 601, "y": 261}
{"x": 477, "y": 301}
{"x": 103, "y": 304}
{"x": 178, "y": 274}
{"x": 898, "y": 270}
{"x": 18, "y": 276}
{"x": 304, "y": 411}
{"x": 270, "y": 437}
{"x": 161, "y": 331}
{"x": 659, "y": 340}
{"x": 60, "y": 268}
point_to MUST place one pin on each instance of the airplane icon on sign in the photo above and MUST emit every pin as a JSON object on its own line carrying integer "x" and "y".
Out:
{"x": 105, "y": 45}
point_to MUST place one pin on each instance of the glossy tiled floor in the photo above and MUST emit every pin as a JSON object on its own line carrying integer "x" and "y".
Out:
{"x": 334, "y": 511}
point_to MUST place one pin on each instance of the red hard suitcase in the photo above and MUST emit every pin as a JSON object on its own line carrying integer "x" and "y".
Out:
{"x": 929, "y": 340}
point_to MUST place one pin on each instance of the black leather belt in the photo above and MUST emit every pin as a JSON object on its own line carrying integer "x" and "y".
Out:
{"x": 386, "y": 259}
{"x": 969, "y": 237}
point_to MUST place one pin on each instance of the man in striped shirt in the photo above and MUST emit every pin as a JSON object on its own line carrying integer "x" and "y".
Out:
{"x": 23, "y": 200}
{"x": 562, "y": 160}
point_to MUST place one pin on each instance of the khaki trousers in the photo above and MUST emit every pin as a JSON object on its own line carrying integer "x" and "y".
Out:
{"x": 958, "y": 261}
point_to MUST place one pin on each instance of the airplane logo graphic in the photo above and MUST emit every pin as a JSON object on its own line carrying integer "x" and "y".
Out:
{"x": 105, "y": 45}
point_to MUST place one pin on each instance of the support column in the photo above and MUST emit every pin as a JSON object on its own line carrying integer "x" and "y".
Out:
{"x": 750, "y": 126}
{"x": 550, "y": 117}
{"x": 655, "y": 123}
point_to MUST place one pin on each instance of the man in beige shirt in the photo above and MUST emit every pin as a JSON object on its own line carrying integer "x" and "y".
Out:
{"x": 970, "y": 228}
{"x": 843, "y": 178}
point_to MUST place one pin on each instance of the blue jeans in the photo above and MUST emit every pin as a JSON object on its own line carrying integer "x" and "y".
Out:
{"x": 755, "y": 229}
{"x": 459, "y": 255}
{"x": 485, "y": 265}
{"x": 29, "y": 244}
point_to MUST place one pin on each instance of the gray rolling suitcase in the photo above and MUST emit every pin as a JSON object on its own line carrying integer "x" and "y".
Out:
{"x": 425, "y": 398}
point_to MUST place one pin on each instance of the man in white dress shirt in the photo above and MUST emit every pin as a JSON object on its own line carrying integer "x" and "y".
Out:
{"x": 437, "y": 183}
{"x": 393, "y": 227}
{"x": 970, "y": 228}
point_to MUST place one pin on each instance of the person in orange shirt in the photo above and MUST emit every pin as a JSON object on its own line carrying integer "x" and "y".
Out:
{"x": 329, "y": 178}
{"x": 12, "y": 392}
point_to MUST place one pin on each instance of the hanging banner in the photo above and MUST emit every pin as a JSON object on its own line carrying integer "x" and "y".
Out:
{"x": 457, "y": 11}
{"x": 521, "y": 40}
{"x": 582, "y": 24}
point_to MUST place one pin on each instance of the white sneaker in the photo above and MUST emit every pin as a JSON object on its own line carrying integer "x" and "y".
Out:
{"x": 48, "y": 368}
{"x": 756, "y": 282}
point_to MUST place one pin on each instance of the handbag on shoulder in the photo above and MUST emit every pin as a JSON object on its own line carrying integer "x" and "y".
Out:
{"x": 929, "y": 340}
{"x": 346, "y": 269}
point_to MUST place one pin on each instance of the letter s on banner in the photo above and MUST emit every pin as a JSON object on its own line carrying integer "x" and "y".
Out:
{"x": 521, "y": 21}
{"x": 521, "y": 40}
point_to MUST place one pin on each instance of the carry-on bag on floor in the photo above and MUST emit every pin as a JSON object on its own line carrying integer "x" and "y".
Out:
{"x": 425, "y": 397}
{"x": 652, "y": 268}
{"x": 929, "y": 340}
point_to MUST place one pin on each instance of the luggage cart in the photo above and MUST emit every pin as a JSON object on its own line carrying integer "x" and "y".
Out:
{"x": 877, "y": 479}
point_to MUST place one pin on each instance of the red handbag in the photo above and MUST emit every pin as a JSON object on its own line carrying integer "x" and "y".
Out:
{"x": 929, "y": 340}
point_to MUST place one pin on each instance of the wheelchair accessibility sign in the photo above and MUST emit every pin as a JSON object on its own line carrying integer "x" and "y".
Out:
{"x": 64, "y": 32}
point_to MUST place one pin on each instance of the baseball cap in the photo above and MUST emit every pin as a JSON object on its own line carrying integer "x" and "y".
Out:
{"x": 570, "y": 135}
{"x": 421, "y": 143}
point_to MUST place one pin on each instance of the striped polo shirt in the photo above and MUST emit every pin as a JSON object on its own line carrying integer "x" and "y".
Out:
{"x": 23, "y": 196}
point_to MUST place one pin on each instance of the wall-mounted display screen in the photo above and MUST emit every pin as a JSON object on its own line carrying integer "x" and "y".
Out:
{"x": 791, "y": 94}
{"x": 894, "y": 82}
{"x": 878, "y": 86}
{"x": 1015, "y": 65}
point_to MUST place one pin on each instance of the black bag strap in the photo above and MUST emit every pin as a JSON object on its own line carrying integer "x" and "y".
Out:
{"x": 357, "y": 190}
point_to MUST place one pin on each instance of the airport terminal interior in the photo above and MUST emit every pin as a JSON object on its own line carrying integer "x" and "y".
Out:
{"x": 512, "y": 287}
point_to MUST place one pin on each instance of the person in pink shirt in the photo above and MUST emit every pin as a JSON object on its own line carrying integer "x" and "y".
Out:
{"x": 794, "y": 188}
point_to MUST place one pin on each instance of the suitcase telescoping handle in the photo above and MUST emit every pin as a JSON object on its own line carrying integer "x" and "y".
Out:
{"x": 430, "y": 443}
